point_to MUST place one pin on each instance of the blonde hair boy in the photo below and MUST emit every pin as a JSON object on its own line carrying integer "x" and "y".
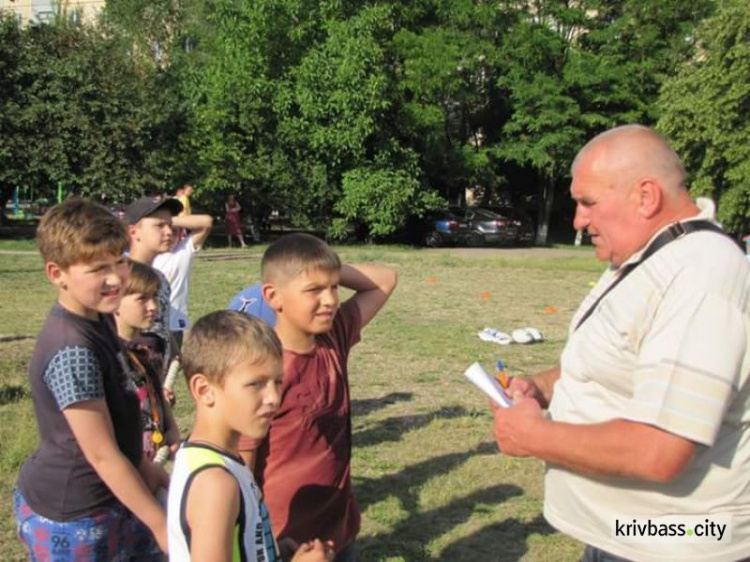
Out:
{"x": 232, "y": 364}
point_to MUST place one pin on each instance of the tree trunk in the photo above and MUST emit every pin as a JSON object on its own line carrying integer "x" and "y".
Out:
{"x": 6, "y": 192}
{"x": 547, "y": 193}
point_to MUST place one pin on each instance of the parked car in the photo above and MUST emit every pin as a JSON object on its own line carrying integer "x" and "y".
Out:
{"x": 443, "y": 230}
{"x": 480, "y": 226}
{"x": 472, "y": 226}
{"x": 518, "y": 221}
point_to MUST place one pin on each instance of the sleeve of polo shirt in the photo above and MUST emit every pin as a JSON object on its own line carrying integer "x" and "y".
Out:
{"x": 688, "y": 366}
{"x": 74, "y": 375}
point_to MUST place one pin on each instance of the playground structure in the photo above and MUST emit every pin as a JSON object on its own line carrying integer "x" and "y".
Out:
{"x": 23, "y": 205}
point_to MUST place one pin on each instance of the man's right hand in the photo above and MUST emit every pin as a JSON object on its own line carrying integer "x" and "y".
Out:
{"x": 540, "y": 387}
{"x": 524, "y": 386}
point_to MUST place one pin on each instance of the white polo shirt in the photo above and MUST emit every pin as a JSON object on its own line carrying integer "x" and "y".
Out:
{"x": 669, "y": 347}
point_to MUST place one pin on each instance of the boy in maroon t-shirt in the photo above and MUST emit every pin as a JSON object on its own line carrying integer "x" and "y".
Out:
{"x": 303, "y": 464}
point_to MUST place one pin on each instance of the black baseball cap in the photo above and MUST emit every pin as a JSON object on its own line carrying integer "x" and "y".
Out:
{"x": 145, "y": 206}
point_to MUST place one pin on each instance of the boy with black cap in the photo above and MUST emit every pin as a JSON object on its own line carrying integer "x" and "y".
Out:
{"x": 149, "y": 222}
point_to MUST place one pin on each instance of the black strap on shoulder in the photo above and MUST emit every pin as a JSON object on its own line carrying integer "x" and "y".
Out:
{"x": 673, "y": 232}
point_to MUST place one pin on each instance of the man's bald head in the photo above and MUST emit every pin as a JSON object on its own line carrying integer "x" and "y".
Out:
{"x": 631, "y": 152}
{"x": 628, "y": 183}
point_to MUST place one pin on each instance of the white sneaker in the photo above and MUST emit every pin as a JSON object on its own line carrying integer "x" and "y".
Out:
{"x": 495, "y": 336}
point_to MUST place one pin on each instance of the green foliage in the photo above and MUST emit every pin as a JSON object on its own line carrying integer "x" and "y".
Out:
{"x": 444, "y": 75}
{"x": 330, "y": 117}
{"x": 382, "y": 199}
{"x": 311, "y": 108}
{"x": 153, "y": 27}
{"x": 705, "y": 109}
{"x": 225, "y": 81}
{"x": 76, "y": 113}
{"x": 569, "y": 71}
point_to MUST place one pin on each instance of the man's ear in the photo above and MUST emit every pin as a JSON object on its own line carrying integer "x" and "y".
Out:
{"x": 272, "y": 296}
{"x": 650, "y": 197}
{"x": 202, "y": 390}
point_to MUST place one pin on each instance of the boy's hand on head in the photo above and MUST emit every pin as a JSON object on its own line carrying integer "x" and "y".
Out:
{"x": 315, "y": 551}
{"x": 170, "y": 396}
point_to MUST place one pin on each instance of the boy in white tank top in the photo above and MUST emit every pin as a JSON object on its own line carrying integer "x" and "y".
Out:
{"x": 233, "y": 368}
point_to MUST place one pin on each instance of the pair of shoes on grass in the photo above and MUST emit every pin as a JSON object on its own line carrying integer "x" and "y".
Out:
{"x": 522, "y": 335}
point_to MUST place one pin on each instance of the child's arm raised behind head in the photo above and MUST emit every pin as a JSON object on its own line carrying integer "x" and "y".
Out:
{"x": 91, "y": 425}
{"x": 198, "y": 225}
{"x": 373, "y": 284}
{"x": 213, "y": 504}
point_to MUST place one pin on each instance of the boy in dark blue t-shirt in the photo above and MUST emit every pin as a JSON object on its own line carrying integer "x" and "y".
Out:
{"x": 87, "y": 491}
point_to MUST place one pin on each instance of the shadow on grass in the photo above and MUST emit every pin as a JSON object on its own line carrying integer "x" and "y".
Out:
{"x": 391, "y": 429}
{"x": 373, "y": 490}
{"x": 17, "y": 271}
{"x": 501, "y": 542}
{"x": 410, "y": 538}
{"x": 8, "y": 339}
{"x": 10, "y": 393}
{"x": 369, "y": 405}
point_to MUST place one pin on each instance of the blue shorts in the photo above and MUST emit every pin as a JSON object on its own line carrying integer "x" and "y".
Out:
{"x": 111, "y": 533}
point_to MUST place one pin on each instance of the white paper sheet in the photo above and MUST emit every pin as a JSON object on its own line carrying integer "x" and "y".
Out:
{"x": 488, "y": 384}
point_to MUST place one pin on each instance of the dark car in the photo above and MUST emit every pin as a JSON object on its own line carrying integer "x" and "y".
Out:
{"x": 435, "y": 229}
{"x": 479, "y": 226}
{"x": 518, "y": 221}
{"x": 443, "y": 230}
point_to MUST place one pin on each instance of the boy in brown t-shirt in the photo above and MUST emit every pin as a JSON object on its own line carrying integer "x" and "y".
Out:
{"x": 87, "y": 491}
{"x": 303, "y": 464}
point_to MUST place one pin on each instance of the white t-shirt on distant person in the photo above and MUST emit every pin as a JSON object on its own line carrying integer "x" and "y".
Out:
{"x": 175, "y": 265}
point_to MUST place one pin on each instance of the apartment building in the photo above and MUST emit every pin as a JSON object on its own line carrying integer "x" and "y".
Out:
{"x": 40, "y": 11}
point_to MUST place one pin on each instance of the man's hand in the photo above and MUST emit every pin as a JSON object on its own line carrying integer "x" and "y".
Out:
{"x": 515, "y": 427}
{"x": 523, "y": 387}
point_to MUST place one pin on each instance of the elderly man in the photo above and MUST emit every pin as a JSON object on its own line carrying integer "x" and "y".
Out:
{"x": 649, "y": 407}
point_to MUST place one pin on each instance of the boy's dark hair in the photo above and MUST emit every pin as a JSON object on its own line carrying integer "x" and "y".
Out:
{"x": 143, "y": 280}
{"x": 293, "y": 254}
{"x": 220, "y": 340}
{"x": 78, "y": 230}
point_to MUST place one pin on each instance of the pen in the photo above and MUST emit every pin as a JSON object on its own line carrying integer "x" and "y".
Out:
{"x": 502, "y": 376}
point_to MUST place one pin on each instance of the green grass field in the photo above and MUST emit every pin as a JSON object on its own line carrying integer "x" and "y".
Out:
{"x": 429, "y": 478}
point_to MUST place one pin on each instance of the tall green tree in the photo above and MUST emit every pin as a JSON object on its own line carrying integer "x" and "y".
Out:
{"x": 333, "y": 119}
{"x": 15, "y": 76}
{"x": 705, "y": 112}
{"x": 571, "y": 70}
{"x": 76, "y": 114}
{"x": 236, "y": 81}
